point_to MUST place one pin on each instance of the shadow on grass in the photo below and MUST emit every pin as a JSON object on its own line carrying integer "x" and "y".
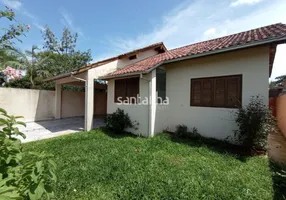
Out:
{"x": 215, "y": 145}
{"x": 115, "y": 135}
{"x": 278, "y": 179}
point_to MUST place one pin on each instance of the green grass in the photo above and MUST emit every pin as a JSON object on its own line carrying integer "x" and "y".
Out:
{"x": 95, "y": 165}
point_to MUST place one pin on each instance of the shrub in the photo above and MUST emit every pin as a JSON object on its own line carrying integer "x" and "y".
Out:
{"x": 119, "y": 121}
{"x": 183, "y": 132}
{"x": 18, "y": 180}
{"x": 254, "y": 123}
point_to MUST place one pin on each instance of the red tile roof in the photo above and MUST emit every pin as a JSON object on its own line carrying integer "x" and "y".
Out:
{"x": 268, "y": 34}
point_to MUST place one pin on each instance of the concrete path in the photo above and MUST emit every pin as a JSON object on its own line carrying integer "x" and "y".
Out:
{"x": 52, "y": 128}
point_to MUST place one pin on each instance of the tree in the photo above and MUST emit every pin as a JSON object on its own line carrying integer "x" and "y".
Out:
{"x": 63, "y": 52}
{"x": 280, "y": 80}
{"x": 33, "y": 63}
{"x": 13, "y": 32}
{"x": 6, "y": 55}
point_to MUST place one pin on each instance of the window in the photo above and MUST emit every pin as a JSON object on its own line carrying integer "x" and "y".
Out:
{"x": 224, "y": 91}
{"x": 161, "y": 85}
{"x": 126, "y": 88}
{"x": 132, "y": 57}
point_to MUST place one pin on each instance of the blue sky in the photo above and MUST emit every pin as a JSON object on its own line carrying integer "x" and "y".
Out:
{"x": 110, "y": 27}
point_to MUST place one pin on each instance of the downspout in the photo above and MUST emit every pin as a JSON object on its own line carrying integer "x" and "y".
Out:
{"x": 149, "y": 103}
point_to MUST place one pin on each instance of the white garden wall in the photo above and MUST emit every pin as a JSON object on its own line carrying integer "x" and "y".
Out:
{"x": 35, "y": 105}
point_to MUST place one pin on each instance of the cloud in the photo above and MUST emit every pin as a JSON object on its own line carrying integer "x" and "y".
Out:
{"x": 67, "y": 21}
{"x": 210, "y": 31}
{"x": 244, "y": 2}
{"x": 39, "y": 26}
{"x": 201, "y": 20}
{"x": 30, "y": 15}
{"x": 14, "y": 4}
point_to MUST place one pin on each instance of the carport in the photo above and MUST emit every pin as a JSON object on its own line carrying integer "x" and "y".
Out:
{"x": 94, "y": 102}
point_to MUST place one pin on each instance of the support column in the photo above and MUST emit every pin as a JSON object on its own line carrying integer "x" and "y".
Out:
{"x": 58, "y": 101}
{"x": 153, "y": 103}
{"x": 89, "y": 102}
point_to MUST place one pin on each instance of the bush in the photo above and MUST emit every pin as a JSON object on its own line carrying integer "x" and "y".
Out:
{"x": 119, "y": 121}
{"x": 18, "y": 180}
{"x": 183, "y": 132}
{"x": 26, "y": 84}
{"x": 254, "y": 123}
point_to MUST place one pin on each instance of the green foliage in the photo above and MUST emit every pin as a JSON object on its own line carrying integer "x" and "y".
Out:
{"x": 18, "y": 180}
{"x": 182, "y": 131}
{"x": 63, "y": 52}
{"x": 119, "y": 121}
{"x": 26, "y": 83}
{"x": 35, "y": 66}
{"x": 279, "y": 80}
{"x": 96, "y": 165}
{"x": 279, "y": 180}
{"x": 13, "y": 32}
{"x": 254, "y": 123}
{"x": 38, "y": 177}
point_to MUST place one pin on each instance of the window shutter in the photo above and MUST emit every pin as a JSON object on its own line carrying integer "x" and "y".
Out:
{"x": 233, "y": 91}
{"x": 196, "y": 92}
{"x": 207, "y": 92}
{"x": 219, "y": 92}
{"x": 120, "y": 90}
{"x": 224, "y": 91}
{"x": 132, "y": 89}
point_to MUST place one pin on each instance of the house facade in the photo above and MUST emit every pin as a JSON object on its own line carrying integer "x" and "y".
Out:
{"x": 244, "y": 73}
{"x": 199, "y": 85}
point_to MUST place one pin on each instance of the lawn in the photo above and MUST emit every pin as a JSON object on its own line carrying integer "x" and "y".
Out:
{"x": 96, "y": 165}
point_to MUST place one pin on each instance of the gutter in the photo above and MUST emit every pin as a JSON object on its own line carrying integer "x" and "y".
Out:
{"x": 253, "y": 44}
{"x": 149, "y": 105}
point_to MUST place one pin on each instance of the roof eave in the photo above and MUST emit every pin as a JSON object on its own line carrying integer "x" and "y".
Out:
{"x": 249, "y": 45}
{"x": 120, "y": 75}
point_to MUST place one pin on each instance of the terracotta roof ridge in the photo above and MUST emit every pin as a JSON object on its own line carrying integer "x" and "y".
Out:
{"x": 234, "y": 34}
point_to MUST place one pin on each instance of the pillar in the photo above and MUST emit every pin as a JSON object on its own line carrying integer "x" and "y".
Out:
{"x": 153, "y": 104}
{"x": 58, "y": 101}
{"x": 89, "y": 102}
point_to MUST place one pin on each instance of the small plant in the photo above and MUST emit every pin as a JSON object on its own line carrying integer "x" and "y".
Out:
{"x": 119, "y": 121}
{"x": 254, "y": 123}
{"x": 19, "y": 180}
{"x": 182, "y": 131}
{"x": 194, "y": 133}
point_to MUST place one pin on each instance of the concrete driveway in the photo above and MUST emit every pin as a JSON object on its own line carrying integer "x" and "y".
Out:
{"x": 52, "y": 128}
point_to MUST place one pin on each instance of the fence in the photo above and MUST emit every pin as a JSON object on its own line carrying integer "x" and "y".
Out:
{"x": 277, "y": 140}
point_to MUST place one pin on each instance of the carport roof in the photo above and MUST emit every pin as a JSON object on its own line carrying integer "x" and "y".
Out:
{"x": 159, "y": 46}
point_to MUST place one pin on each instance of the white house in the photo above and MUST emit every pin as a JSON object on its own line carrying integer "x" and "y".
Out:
{"x": 204, "y": 82}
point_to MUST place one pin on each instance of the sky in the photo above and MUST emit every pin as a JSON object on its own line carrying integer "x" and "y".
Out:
{"x": 111, "y": 27}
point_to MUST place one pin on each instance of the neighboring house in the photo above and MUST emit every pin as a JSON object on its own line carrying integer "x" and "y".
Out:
{"x": 204, "y": 82}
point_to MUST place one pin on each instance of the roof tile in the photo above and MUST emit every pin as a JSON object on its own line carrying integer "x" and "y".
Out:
{"x": 251, "y": 36}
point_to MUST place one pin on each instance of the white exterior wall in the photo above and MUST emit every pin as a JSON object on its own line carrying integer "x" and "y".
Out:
{"x": 120, "y": 63}
{"x": 136, "y": 112}
{"x": 219, "y": 123}
{"x": 140, "y": 56}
